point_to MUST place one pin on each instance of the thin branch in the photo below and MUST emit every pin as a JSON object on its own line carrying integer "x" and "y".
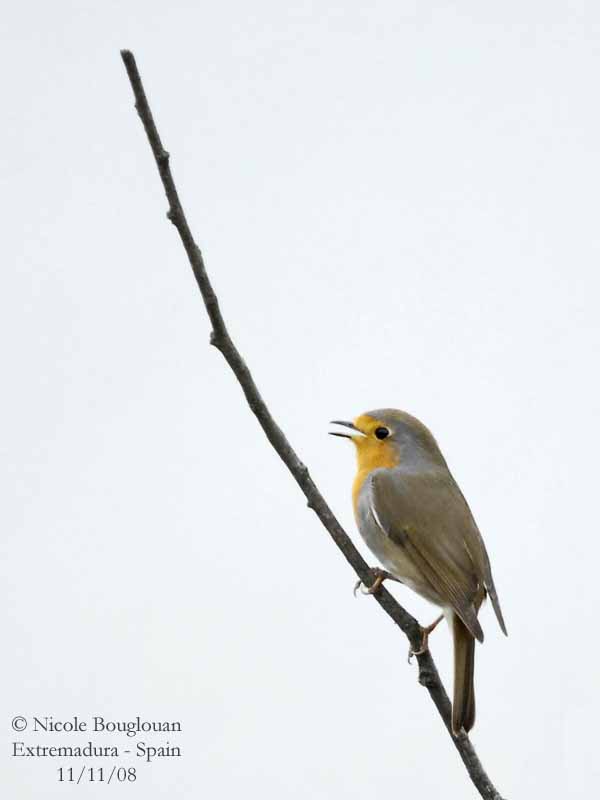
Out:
{"x": 220, "y": 338}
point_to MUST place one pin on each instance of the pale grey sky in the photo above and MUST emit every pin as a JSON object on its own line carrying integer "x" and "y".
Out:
{"x": 398, "y": 205}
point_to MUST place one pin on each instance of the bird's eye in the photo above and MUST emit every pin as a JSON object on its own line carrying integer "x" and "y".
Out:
{"x": 381, "y": 433}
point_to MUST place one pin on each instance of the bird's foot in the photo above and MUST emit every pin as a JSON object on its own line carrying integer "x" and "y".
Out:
{"x": 379, "y": 576}
{"x": 424, "y": 639}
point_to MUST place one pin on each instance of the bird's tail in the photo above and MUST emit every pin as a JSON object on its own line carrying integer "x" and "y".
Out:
{"x": 463, "y": 706}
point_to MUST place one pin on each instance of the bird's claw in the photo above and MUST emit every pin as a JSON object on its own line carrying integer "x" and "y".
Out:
{"x": 367, "y": 589}
{"x": 424, "y": 648}
{"x": 360, "y": 586}
{"x": 421, "y": 651}
{"x": 379, "y": 575}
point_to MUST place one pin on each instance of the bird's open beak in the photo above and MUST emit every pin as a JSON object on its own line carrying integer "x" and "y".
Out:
{"x": 346, "y": 425}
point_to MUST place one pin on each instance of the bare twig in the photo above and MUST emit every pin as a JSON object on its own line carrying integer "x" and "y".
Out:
{"x": 220, "y": 338}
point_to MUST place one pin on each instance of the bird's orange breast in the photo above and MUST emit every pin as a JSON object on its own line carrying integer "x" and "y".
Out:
{"x": 371, "y": 454}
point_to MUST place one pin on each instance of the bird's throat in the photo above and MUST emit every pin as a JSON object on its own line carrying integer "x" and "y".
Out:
{"x": 370, "y": 456}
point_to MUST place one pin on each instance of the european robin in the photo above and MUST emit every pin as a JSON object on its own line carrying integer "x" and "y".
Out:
{"x": 415, "y": 520}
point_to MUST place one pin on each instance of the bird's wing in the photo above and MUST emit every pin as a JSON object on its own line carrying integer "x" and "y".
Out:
{"x": 426, "y": 515}
{"x": 476, "y": 546}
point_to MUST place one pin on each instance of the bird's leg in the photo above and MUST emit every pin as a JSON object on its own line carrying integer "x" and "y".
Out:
{"x": 425, "y": 638}
{"x": 379, "y": 575}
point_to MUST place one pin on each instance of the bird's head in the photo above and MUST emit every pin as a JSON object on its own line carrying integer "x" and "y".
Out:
{"x": 386, "y": 437}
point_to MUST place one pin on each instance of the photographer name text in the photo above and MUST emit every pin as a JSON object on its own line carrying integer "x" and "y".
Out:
{"x": 96, "y": 727}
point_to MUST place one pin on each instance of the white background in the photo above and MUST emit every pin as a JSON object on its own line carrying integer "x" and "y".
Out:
{"x": 398, "y": 205}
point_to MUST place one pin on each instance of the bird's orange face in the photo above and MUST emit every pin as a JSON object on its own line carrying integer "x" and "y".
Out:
{"x": 375, "y": 448}
{"x": 374, "y": 444}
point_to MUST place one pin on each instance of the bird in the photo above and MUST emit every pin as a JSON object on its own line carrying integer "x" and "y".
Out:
{"x": 414, "y": 518}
